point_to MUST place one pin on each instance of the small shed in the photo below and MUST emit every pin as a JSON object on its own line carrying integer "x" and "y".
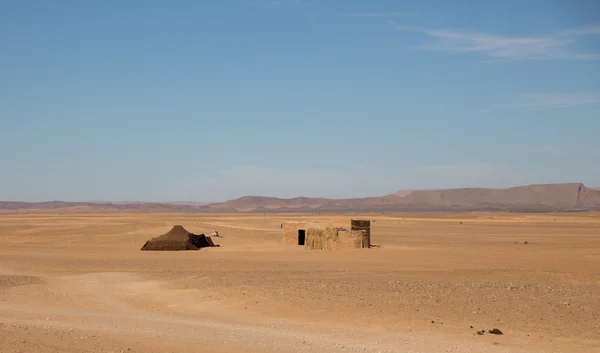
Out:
{"x": 339, "y": 234}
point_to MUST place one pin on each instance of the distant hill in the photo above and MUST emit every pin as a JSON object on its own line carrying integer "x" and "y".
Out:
{"x": 184, "y": 203}
{"x": 93, "y": 207}
{"x": 528, "y": 198}
{"x": 403, "y": 193}
{"x": 543, "y": 197}
{"x": 546, "y": 196}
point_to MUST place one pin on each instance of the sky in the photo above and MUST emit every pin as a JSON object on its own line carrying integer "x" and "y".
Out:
{"x": 213, "y": 100}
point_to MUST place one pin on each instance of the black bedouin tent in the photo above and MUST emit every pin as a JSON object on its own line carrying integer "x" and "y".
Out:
{"x": 178, "y": 238}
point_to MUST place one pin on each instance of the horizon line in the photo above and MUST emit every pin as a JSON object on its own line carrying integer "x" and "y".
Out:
{"x": 204, "y": 203}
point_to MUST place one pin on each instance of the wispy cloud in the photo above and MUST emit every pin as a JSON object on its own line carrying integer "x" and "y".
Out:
{"x": 275, "y": 3}
{"x": 556, "y": 100}
{"x": 542, "y": 101}
{"x": 390, "y": 15}
{"x": 357, "y": 181}
{"x": 583, "y": 31}
{"x": 468, "y": 170}
{"x": 554, "y": 46}
{"x": 361, "y": 181}
{"x": 538, "y": 149}
{"x": 472, "y": 175}
{"x": 550, "y": 47}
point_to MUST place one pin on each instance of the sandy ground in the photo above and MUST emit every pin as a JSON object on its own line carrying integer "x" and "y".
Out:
{"x": 78, "y": 283}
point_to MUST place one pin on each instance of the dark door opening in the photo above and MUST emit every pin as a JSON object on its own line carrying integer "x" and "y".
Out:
{"x": 301, "y": 236}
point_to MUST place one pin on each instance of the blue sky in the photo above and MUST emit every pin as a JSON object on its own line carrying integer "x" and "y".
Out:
{"x": 212, "y": 100}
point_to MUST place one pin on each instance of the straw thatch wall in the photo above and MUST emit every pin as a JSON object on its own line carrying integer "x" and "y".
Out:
{"x": 321, "y": 239}
{"x": 290, "y": 232}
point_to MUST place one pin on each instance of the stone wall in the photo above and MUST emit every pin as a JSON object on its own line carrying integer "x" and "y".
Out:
{"x": 290, "y": 232}
{"x": 350, "y": 239}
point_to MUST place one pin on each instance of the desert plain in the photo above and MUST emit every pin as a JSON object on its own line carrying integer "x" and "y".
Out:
{"x": 79, "y": 283}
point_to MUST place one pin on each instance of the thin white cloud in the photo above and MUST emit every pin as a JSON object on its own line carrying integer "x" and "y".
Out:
{"x": 583, "y": 31}
{"x": 458, "y": 171}
{"x": 542, "y": 101}
{"x": 549, "y": 47}
{"x": 356, "y": 181}
{"x": 473, "y": 175}
{"x": 537, "y": 150}
{"x": 382, "y": 15}
{"x": 557, "y": 100}
{"x": 275, "y": 3}
{"x": 556, "y": 46}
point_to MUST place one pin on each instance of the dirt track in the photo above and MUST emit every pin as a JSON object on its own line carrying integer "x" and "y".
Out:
{"x": 78, "y": 283}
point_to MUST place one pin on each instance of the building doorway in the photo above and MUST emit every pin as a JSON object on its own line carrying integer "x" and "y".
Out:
{"x": 301, "y": 236}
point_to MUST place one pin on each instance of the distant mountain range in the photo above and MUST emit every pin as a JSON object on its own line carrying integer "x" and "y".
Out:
{"x": 529, "y": 198}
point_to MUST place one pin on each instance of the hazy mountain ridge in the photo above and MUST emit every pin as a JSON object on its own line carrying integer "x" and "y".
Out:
{"x": 91, "y": 207}
{"x": 539, "y": 197}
